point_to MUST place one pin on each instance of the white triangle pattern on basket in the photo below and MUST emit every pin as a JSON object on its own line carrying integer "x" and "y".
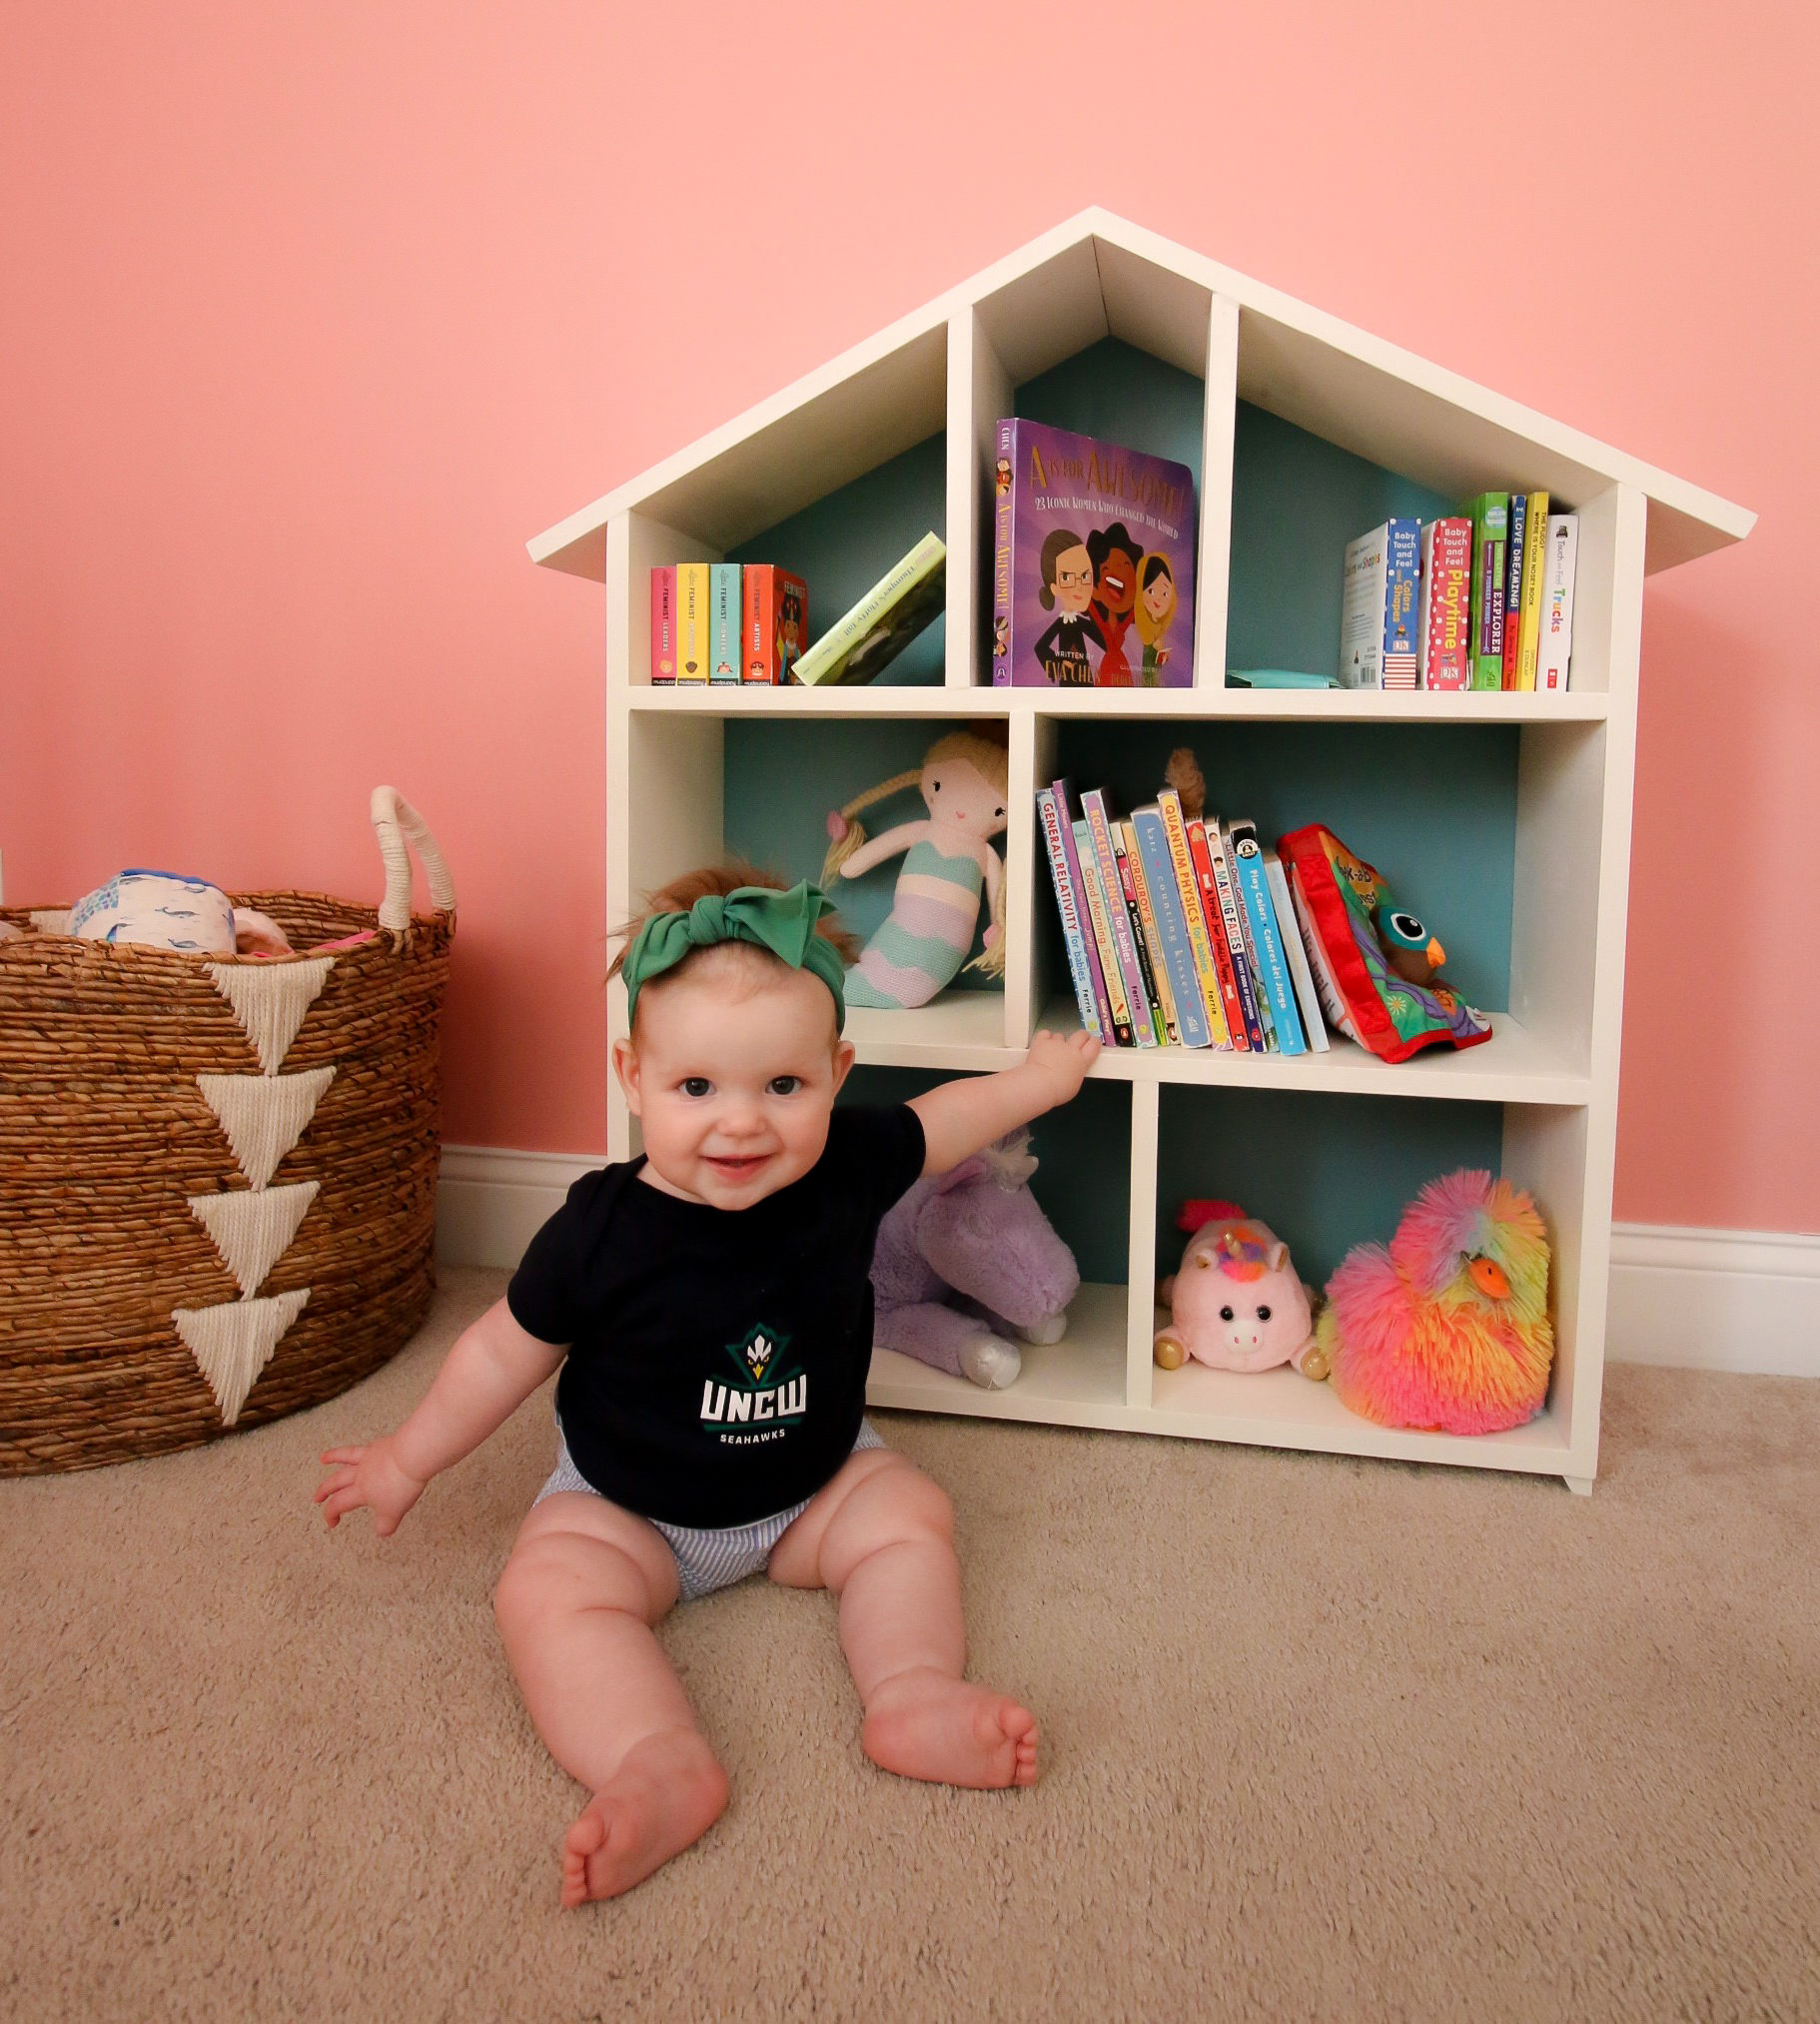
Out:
{"x": 269, "y": 1000}
{"x": 51, "y": 920}
{"x": 254, "y": 1231}
{"x": 233, "y": 1344}
{"x": 264, "y": 1116}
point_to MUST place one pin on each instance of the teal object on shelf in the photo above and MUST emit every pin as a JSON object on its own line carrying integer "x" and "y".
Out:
{"x": 1277, "y": 678}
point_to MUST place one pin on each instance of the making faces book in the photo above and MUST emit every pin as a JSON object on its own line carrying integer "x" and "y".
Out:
{"x": 1093, "y": 564}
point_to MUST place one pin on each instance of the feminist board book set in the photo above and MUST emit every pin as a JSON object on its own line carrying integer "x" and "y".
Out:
{"x": 726, "y": 621}
{"x": 1179, "y": 929}
{"x": 1482, "y": 599}
{"x": 1093, "y": 564}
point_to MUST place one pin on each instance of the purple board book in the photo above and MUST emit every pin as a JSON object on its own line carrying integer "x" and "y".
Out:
{"x": 1093, "y": 564}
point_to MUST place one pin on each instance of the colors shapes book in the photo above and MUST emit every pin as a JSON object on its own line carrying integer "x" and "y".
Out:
{"x": 1093, "y": 564}
{"x": 1377, "y": 614}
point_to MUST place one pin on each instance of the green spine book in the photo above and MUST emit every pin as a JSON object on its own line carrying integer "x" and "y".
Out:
{"x": 1489, "y": 514}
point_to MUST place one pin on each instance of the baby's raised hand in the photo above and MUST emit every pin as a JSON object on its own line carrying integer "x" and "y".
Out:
{"x": 369, "y": 1477}
{"x": 1065, "y": 1059}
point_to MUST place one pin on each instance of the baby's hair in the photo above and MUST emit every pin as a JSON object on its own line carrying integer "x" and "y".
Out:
{"x": 716, "y": 881}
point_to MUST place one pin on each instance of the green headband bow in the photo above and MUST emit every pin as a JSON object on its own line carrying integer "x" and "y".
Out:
{"x": 783, "y": 922}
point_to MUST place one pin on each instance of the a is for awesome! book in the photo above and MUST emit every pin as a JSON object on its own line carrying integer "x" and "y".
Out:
{"x": 1093, "y": 564}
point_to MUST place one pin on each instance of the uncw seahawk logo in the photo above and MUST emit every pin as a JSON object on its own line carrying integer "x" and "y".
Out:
{"x": 765, "y": 1394}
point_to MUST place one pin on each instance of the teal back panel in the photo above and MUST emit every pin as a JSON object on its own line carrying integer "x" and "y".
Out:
{"x": 1083, "y": 1177}
{"x": 1433, "y": 807}
{"x": 843, "y": 543}
{"x": 1297, "y": 503}
{"x": 1324, "y": 1172}
{"x": 1124, "y": 396}
{"x": 783, "y": 778}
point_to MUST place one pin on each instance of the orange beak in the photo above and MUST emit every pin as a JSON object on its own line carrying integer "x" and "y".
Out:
{"x": 1435, "y": 954}
{"x": 1489, "y": 1277}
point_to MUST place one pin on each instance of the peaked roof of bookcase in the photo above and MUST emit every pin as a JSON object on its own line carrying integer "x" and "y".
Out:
{"x": 1097, "y": 276}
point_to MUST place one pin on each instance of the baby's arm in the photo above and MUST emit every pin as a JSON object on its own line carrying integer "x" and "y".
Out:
{"x": 959, "y": 1118}
{"x": 492, "y": 1369}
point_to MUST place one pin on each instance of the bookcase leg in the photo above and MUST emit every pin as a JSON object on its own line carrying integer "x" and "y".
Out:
{"x": 1581, "y": 1485}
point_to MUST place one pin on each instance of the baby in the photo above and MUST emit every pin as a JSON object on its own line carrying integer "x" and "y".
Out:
{"x": 709, "y": 1307}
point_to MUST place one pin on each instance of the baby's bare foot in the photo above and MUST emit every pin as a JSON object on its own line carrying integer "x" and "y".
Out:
{"x": 668, "y": 1793}
{"x": 923, "y": 1724}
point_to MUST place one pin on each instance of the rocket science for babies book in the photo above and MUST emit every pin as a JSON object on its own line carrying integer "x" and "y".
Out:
{"x": 1093, "y": 564}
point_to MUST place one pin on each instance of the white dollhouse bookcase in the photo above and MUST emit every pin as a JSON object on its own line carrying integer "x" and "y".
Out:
{"x": 1505, "y": 817}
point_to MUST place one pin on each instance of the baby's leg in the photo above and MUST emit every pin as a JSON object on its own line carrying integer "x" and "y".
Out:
{"x": 576, "y": 1605}
{"x": 881, "y": 1536}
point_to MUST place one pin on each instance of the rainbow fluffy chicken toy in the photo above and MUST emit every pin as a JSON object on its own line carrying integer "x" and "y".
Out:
{"x": 1446, "y": 1331}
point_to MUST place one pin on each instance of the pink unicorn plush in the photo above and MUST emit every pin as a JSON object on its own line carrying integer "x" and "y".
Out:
{"x": 966, "y": 1260}
{"x": 1236, "y": 1303}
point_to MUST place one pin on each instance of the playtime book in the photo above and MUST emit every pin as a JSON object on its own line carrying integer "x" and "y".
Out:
{"x": 908, "y": 596}
{"x": 1446, "y": 603}
{"x": 1093, "y": 564}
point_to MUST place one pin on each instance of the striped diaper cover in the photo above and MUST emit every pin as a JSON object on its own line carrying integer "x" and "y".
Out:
{"x": 705, "y": 1560}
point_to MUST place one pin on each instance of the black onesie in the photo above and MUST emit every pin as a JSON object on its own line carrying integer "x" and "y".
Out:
{"x": 718, "y": 1358}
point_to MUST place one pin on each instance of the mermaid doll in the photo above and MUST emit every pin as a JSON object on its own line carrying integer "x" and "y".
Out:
{"x": 921, "y": 945}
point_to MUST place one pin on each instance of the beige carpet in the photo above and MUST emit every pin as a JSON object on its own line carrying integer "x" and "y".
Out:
{"x": 1322, "y": 1738}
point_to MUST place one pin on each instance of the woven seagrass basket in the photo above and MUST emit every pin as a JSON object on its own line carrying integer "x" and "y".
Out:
{"x": 217, "y": 1174}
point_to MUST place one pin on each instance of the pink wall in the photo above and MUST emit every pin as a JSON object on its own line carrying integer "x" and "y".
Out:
{"x": 315, "y": 314}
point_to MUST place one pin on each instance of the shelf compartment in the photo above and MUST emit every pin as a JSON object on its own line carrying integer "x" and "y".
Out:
{"x": 1327, "y": 1172}
{"x": 1078, "y": 1382}
{"x": 1101, "y": 341}
{"x": 1277, "y": 1408}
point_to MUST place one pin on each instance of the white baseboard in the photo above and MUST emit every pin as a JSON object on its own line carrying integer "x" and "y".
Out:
{"x": 490, "y": 1203}
{"x": 1710, "y": 1300}
{"x": 1714, "y": 1300}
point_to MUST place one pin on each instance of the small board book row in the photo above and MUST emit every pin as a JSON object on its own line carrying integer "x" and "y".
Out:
{"x": 1180, "y": 929}
{"x": 724, "y": 621}
{"x": 1093, "y": 564}
{"x": 1482, "y": 599}
{"x": 727, "y": 622}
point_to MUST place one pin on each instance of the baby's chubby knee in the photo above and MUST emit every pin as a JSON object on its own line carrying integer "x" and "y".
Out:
{"x": 557, "y": 1572}
{"x": 898, "y": 1501}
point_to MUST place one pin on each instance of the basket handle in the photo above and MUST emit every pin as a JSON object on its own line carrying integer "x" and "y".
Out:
{"x": 394, "y": 819}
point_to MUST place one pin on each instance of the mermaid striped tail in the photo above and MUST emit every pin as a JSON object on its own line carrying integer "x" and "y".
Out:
{"x": 922, "y": 943}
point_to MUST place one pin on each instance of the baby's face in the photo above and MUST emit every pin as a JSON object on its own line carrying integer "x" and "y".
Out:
{"x": 733, "y": 1084}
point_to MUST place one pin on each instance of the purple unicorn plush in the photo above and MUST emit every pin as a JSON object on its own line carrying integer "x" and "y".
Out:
{"x": 967, "y": 1260}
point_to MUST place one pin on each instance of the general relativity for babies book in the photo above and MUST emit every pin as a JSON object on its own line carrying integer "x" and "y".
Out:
{"x": 1093, "y": 564}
